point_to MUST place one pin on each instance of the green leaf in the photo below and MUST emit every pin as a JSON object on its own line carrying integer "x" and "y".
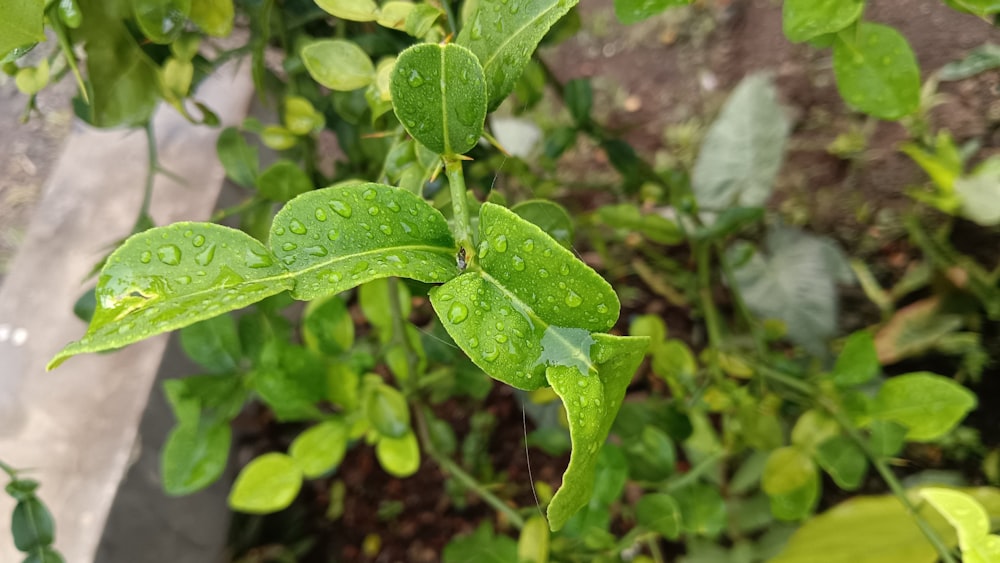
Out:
{"x": 981, "y": 8}
{"x": 887, "y": 437}
{"x": 812, "y": 429}
{"x": 32, "y": 80}
{"x": 267, "y": 484}
{"x": 194, "y": 456}
{"x": 579, "y": 99}
{"x": 212, "y": 398}
{"x": 161, "y": 20}
{"x": 125, "y": 82}
{"x": 743, "y": 150}
{"x": 967, "y": 516}
{"x": 354, "y": 10}
{"x": 980, "y": 196}
{"x": 661, "y": 513}
{"x": 808, "y": 19}
{"x": 703, "y": 511}
{"x": 843, "y": 460}
{"x": 238, "y": 158}
{"x": 169, "y": 277}
{"x": 591, "y": 401}
{"x": 21, "y": 489}
{"x": 979, "y": 60}
{"x": 421, "y": 19}
{"x": 320, "y": 449}
{"x": 388, "y": 412}
{"x": 799, "y": 503}
{"x": 929, "y": 405}
{"x": 504, "y": 35}
{"x": 328, "y": 327}
{"x": 857, "y": 362}
{"x": 214, "y": 17}
{"x": 291, "y": 391}
{"x": 650, "y": 455}
{"x": 400, "y": 457}
{"x": 439, "y": 95}
{"x": 44, "y": 555}
{"x": 532, "y": 305}
{"x": 338, "y": 64}
{"x": 374, "y": 299}
{"x": 877, "y": 72}
{"x": 796, "y": 283}
{"x": 548, "y": 216}
{"x": 787, "y": 469}
{"x": 654, "y": 227}
{"x": 651, "y": 326}
{"x": 482, "y": 547}
{"x": 337, "y": 238}
{"x": 21, "y": 24}
{"x": 533, "y": 543}
{"x": 32, "y": 525}
{"x": 213, "y": 344}
{"x": 301, "y": 117}
{"x": 283, "y": 181}
{"x": 634, "y": 11}
{"x": 278, "y": 138}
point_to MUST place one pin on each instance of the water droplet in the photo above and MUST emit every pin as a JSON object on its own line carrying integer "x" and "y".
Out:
{"x": 470, "y": 139}
{"x": 406, "y": 227}
{"x": 477, "y": 28}
{"x": 393, "y": 206}
{"x": 373, "y": 210}
{"x": 564, "y": 270}
{"x": 582, "y": 382}
{"x": 145, "y": 257}
{"x": 317, "y": 251}
{"x": 484, "y": 249}
{"x": 500, "y": 243}
{"x": 458, "y": 313}
{"x": 320, "y": 214}
{"x": 169, "y": 255}
{"x": 518, "y": 263}
{"x": 543, "y": 273}
{"x": 198, "y": 241}
{"x": 332, "y": 234}
{"x": 257, "y": 259}
{"x": 359, "y": 267}
{"x": 288, "y": 260}
{"x": 184, "y": 280}
{"x": 501, "y": 338}
{"x": 499, "y": 326}
{"x": 415, "y": 79}
{"x": 334, "y": 277}
{"x": 447, "y": 297}
{"x": 205, "y": 257}
{"x": 297, "y": 227}
{"x": 473, "y": 342}
{"x": 547, "y": 253}
{"x": 341, "y": 208}
{"x": 528, "y": 245}
{"x": 491, "y": 354}
{"x": 279, "y": 231}
{"x": 573, "y": 299}
{"x": 514, "y": 7}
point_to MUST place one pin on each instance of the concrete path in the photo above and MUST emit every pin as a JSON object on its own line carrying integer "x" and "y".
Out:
{"x": 76, "y": 427}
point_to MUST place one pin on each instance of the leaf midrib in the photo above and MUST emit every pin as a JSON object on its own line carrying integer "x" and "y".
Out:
{"x": 489, "y": 60}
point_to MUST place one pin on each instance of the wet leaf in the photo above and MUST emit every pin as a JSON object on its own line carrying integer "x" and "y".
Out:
{"x": 338, "y": 64}
{"x": 283, "y": 181}
{"x": 634, "y": 11}
{"x": 532, "y": 305}
{"x": 929, "y": 405}
{"x": 337, "y": 238}
{"x": 161, "y": 20}
{"x": 354, "y": 10}
{"x": 400, "y": 457}
{"x": 808, "y": 19}
{"x": 194, "y": 456}
{"x": 439, "y": 95}
{"x": 214, "y": 17}
{"x": 659, "y": 512}
{"x": 238, "y": 157}
{"x": 170, "y": 277}
{"x": 504, "y": 35}
{"x": 21, "y": 24}
{"x": 320, "y": 449}
{"x": 743, "y": 150}
{"x": 877, "y": 72}
{"x": 267, "y": 484}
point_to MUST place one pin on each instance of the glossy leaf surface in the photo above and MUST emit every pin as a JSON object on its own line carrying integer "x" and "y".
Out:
{"x": 550, "y": 217}
{"x": 21, "y": 24}
{"x": 504, "y": 35}
{"x": 532, "y": 305}
{"x": 877, "y": 72}
{"x": 354, "y": 10}
{"x": 169, "y": 277}
{"x": 400, "y": 457}
{"x": 337, "y": 238}
{"x": 929, "y": 405}
{"x": 807, "y": 19}
{"x": 338, "y": 64}
{"x": 267, "y": 484}
{"x": 439, "y": 95}
{"x": 591, "y": 401}
{"x": 321, "y": 448}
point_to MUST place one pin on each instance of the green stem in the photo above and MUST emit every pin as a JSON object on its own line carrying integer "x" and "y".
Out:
{"x": 400, "y": 336}
{"x": 236, "y": 209}
{"x": 654, "y": 549}
{"x": 703, "y": 467}
{"x": 450, "y": 13}
{"x": 154, "y": 164}
{"x": 709, "y": 310}
{"x": 460, "y": 206}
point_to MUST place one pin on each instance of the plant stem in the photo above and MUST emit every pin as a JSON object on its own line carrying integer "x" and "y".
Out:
{"x": 704, "y": 466}
{"x": 760, "y": 343}
{"x": 460, "y": 207}
{"x": 154, "y": 165}
{"x": 709, "y": 310}
{"x": 400, "y": 336}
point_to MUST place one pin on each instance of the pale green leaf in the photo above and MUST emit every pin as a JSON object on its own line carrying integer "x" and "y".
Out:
{"x": 929, "y": 405}
{"x": 660, "y": 513}
{"x": 812, "y": 429}
{"x": 354, "y": 10}
{"x": 21, "y": 24}
{"x": 161, "y": 20}
{"x": 743, "y": 150}
{"x": 981, "y": 8}
{"x": 321, "y": 448}
{"x": 439, "y": 95}
{"x": 338, "y": 64}
{"x": 533, "y": 543}
{"x": 703, "y": 510}
{"x": 337, "y": 238}
{"x": 170, "y": 277}
{"x": 400, "y": 457}
{"x": 481, "y": 546}
{"x": 877, "y": 72}
{"x": 980, "y": 196}
{"x": 787, "y": 469}
{"x": 843, "y": 460}
{"x": 194, "y": 456}
{"x": 633, "y": 11}
{"x": 799, "y": 503}
{"x": 979, "y": 60}
{"x": 375, "y": 299}
{"x": 808, "y": 19}
{"x": 267, "y": 484}
{"x": 962, "y": 511}
{"x": 394, "y": 13}
{"x": 857, "y": 362}
{"x": 214, "y": 17}
{"x": 32, "y": 80}
{"x": 532, "y": 305}
{"x": 887, "y": 437}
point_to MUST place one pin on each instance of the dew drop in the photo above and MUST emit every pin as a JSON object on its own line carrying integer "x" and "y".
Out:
{"x": 320, "y": 214}
{"x": 279, "y": 231}
{"x": 289, "y": 246}
{"x": 543, "y": 273}
{"x": 332, "y": 234}
{"x": 255, "y": 259}
{"x": 335, "y": 277}
{"x": 184, "y": 280}
{"x": 169, "y": 255}
{"x": 528, "y": 245}
{"x": 602, "y": 308}
{"x": 447, "y": 297}
{"x": 205, "y": 257}
{"x": 288, "y": 260}
{"x": 501, "y": 338}
{"x": 373, "y": 210}
{"x": 318, "y": 251}
{"x": 484, "y": 249}
{"x": 406, "y": 227}
{"x": 297, "y": 227}
{"x": 474, "y": 342}
{"x": 341, "y": 208}
{"x": 518, "y": 263}
{"x": 393, "y": 206}
{"x": 415, "y": 79}
{"x": 564, "y": 270}
{"x": 573, "y": 299}
{"x": 491, "y": 354}
{"x": 198, "y": 241}
{"x": 145, "y": 257}
{"x": 500, "y": 243}
{"x": 359, "y": 267}
{"x": 458, "y": 313}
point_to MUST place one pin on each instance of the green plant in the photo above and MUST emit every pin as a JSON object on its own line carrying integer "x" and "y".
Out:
{"x": 31, "y": 523}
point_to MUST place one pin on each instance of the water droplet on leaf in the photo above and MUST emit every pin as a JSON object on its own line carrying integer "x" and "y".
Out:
{"x": 169, "y": 254}
{"x": 458, "y": 313}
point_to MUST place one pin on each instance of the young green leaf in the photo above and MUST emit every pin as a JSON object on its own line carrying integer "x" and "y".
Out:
{"x": 124, "y": 80}
{"x": 161, "y": 20}
{"x": 877, "y": 72}
{"x": 327, "y": 327}
{"x": 787, "y": 469}
{"x": 439, "y": 95}
{"x": 591, "y": 401}
{"x": 194, "y": 456}
{"x": 980, "y": 59}
{"x": 32, "y": 525}
{"x": 387, "y": 410}
{"x": 338, "y": 64}
{"x": 532, "y": 305}
{"x": 214, "y": 17}
{"x": 798, "y": 503}
{"x": 21, "y": 25}
{"x": 659, "y": 512}
{"x": 170, "y": 277}
{"x": 808, "y": 19}
{"x": 283, "y": 181}
{"x": 481, "y": 546}
{"x": 239, "y": 159}
{"x": 533, "y": 543}
{"x": 634, "y": 11}
{"x": 887, "y": 437}
{"x": 857, "y": 362}
{"x": 354, "y": 10}
{"x": 213, "y": 344}
{"x": 400, "y": 457}
{"x": 929, "y": 405}
{"x": 550, "y": 217}
{"x": 504, "y": 34}
{"x": 703, "y": 511}
{"x": 337, "y": 238}
{"x": 843, "y": 460}
{"x": 743, "y": 150}
{"x": 321, "y": 448}
{"x": 267, "y": 484}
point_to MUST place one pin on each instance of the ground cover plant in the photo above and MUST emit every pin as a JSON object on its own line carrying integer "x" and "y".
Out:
{"x": 764, "y": 433}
